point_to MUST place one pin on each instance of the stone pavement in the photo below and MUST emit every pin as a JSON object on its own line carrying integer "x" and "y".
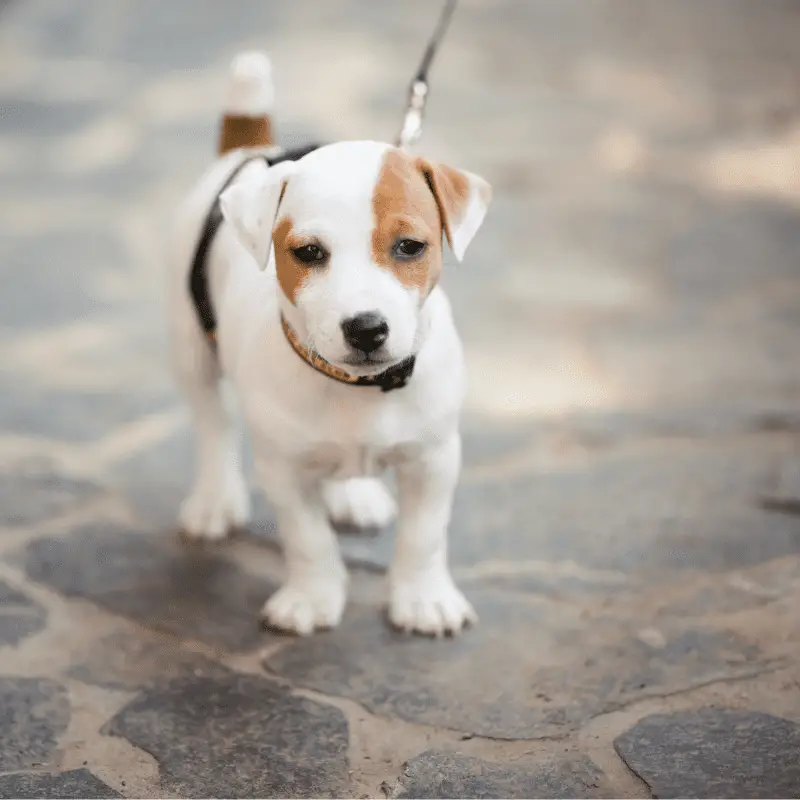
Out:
{"x": 627, "y": 524}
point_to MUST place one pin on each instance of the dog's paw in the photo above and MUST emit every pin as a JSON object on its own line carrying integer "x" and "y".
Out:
{"x": 302, "y": 608}
{"x": 430, "y": 605}
{"x": 212, "y": 510}
{"x": 359, "y": 503}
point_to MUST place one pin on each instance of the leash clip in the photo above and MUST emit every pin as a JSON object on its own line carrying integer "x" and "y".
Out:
{"x": 418, "y": 91}
{"x": 412, "y": 122}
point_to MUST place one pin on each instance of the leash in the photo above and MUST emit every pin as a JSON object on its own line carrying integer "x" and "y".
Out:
{"x": 418, "y": 89}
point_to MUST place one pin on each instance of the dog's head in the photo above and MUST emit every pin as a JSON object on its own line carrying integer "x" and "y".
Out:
{"x": 357, "y": 229}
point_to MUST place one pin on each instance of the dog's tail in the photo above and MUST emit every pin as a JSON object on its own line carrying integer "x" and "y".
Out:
{"x": 246, "y": 118}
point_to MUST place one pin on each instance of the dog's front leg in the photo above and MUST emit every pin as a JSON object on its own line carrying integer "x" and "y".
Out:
{"x": 314, "y": 592}
{"x": 422, "y": 595}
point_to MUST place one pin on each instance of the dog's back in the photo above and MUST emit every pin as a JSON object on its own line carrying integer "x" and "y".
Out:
{"x": 245, "y": 128}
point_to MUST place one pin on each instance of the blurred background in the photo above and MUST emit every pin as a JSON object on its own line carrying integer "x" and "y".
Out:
{"x": 637, "y": 274}
{"x": 640, "y": 254}
{"x": 630, "y": 310}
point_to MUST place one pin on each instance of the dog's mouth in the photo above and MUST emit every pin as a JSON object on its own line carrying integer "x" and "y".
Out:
{"x": 367, "y": 363}
{"x": 361, "y": 363}
{"x": 365, "y": 360}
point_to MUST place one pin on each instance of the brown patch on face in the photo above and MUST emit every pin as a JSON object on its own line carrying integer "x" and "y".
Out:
{"x": 241, "y": 131}
{"x": 292, "y": 274}
{"x": 404, "y": 208}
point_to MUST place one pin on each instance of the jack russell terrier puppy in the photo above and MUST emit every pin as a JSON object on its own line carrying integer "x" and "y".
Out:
{"x": 310, "y": 285}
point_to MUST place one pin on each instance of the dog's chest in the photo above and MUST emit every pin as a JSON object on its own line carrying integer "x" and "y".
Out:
{"x": 340, "y": 461}
{"x": 348, "y": 442}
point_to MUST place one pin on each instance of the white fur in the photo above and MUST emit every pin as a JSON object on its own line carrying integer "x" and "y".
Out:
{"x": 465, "y": 228}
{"x": 250, "y": 89}
{"x": 359, "y": 502}
{"x": 320, "y": 446}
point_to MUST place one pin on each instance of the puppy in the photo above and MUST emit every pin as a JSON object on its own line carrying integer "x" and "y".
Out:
{"x": 315, "y": 295}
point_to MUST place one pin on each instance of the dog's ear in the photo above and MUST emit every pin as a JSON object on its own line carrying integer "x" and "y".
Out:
{"x": 251, "y": 206}
{"x": 463, "y": 199}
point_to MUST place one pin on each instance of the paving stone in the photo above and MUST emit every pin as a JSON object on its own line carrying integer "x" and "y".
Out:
{"x": 483, "y": 442}
{"x": 156, "y": 480}
{"x": 714, "y": 752}
{"x": 441, "y": 774}
{"x": 160, "y": 157}
{"x": 694, "y": 506}
{"x": 740, "y": 246}
{"x": 38, "y": 120}
{"x": 83, "y": 416}
{"x": 775, "y": 578}
{"x": 240, "y": 736}
{"x": 54, "y": 25}
{"x": 76, "y": 783}
{"x": 736, "y": 315}
{"x": 37, "y": 265}
{"x": 20, "y": 617}
{"x": 159, "y": 47}
{"x": 155, "y": 503}
{"x": 128, "y": 661}
{"x": 30, "y": 497}
{"x": 720, "y": 598}
{"x": 742, "y": 363}
{"x": 35, "y": 712}
{"x": 188, "y": 591}
{"x": 783, "y": 493}
{"x": 602, "y": 430}
{"x": 169, "y": 155}
{"x": 676, "y": 508}
{"x": 562, "y": 664}
{"x": 604, "y": 289}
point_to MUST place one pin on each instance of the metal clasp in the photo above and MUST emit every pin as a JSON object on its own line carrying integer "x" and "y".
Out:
{"x": 412, "y": 122}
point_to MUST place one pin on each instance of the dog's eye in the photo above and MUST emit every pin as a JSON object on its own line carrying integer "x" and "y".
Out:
{"x": 409, "y": 248}
{"x": 309, "y": 253}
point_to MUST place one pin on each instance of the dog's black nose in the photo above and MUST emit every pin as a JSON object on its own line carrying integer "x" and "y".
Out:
{"x": 366, "y": 332}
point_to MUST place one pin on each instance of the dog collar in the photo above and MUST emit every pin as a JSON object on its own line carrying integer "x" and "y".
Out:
{"x": 395, "y": 377}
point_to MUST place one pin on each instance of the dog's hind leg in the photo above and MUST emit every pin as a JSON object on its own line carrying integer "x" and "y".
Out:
{"x": 219, "y": 500}
{"x": 363, "y": 503}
